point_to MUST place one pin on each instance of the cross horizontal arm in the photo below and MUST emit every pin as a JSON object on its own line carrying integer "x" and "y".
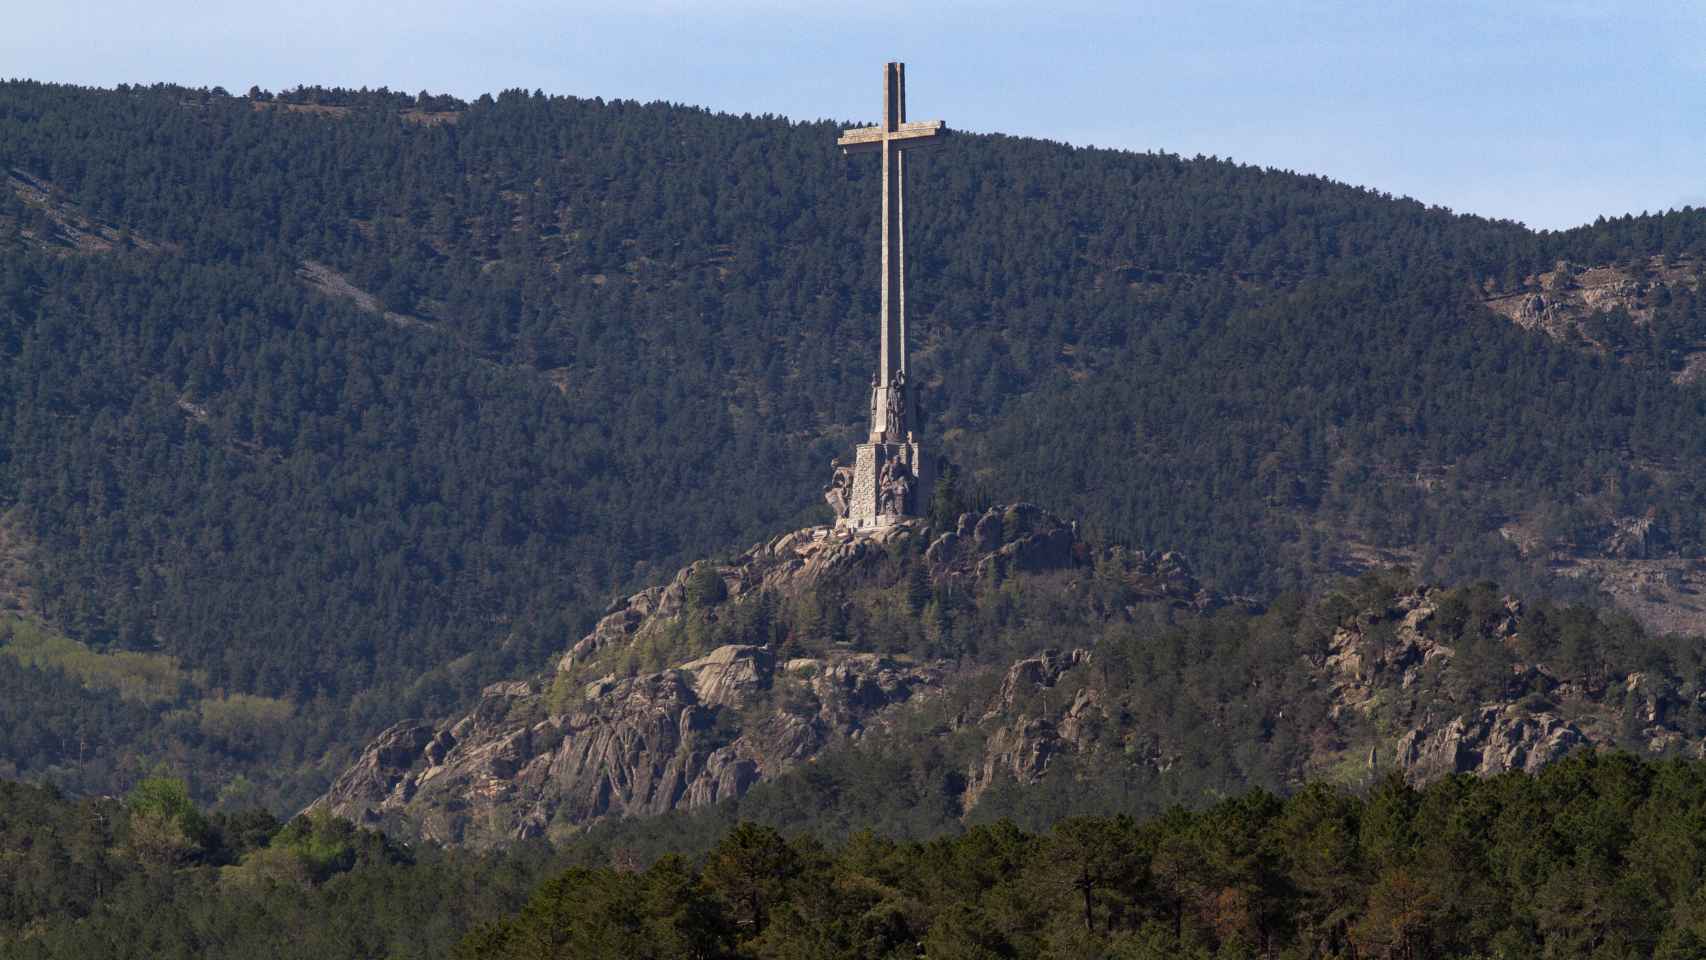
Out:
{"x": 916, "y": 134}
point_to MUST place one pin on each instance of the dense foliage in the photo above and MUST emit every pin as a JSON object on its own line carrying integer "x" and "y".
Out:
{"x": 609, "y": 337}
{"x": 1598, "y": 856}
{"x": 152, "y": 876}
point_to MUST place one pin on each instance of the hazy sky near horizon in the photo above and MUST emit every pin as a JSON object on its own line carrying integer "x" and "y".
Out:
{"x": 1551, "y": 113}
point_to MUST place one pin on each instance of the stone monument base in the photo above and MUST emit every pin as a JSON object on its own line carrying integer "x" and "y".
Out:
{"x": 867, "y": 507}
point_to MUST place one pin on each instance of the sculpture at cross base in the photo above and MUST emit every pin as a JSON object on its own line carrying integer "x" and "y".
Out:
{"x": 894, "y": 489}
{"x": 889, "y": 469}
{"x": 840, "y": 490}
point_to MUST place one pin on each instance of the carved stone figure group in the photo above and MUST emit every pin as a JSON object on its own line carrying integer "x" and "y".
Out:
{"x": 895, "y": 485}
{"x": 894, "y": 489}
{"x": 839, "y": 493}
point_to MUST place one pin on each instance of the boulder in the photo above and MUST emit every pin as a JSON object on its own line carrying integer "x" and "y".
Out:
{"x": 730, "y": 675}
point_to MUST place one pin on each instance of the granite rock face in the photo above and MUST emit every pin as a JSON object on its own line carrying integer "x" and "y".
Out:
{"x": 782, "y": 565}
{"x": 1386, "y": 668}
{"x": 1025, "y": 733}
{"x": 1495, "y": 739}
{"x": 601, "y": 738}
{"x": 1561, "y": 301}
{"x": 526, "y": 757}
{"x": 633, "y": 746}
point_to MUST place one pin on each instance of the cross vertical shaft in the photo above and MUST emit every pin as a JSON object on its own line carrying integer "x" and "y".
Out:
{"x": 891, "y": 400}
{"x": 893, "y": 327}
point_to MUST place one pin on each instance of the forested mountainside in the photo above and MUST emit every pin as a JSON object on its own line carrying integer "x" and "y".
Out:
{"x": 1596, "y": 856}
{"x": 324, "y": 410}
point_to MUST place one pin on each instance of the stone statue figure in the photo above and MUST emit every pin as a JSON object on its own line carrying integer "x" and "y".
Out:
{"x": 894, "y": 488}
{"x": 897, "y": 405}
{"x": 839, "y": 493}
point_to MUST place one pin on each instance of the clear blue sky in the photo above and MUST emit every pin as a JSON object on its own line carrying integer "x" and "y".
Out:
{"x": 1550, "y": 113}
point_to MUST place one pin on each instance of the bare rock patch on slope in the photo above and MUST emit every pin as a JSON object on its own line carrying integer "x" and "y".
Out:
{"x": 59, "y": 225}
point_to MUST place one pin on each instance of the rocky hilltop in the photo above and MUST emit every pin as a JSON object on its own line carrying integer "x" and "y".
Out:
{"x": 739, "y": 671}
{"x": 603, "y": 737}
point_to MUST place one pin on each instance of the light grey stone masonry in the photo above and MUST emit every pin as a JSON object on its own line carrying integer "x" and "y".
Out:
{"x": 870, "y": 502}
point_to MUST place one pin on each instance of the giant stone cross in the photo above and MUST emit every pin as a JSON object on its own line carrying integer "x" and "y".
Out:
{"x": 888, "y": 478}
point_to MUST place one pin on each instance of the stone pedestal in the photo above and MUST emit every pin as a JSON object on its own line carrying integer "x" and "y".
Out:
{"x": 867, "y": 507}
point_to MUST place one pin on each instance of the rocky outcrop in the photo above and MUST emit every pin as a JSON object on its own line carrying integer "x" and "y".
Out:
{"x": 1387, "y": 669}
{"x": 1025, "y": 732}
{"x": 600, "y": 737}
{"x": 1004, "y": 539}
{"x": 1361, "y": 661}
{"x": 1560, "y": 300}
{"x": 66, "y": 228}
{"x": 783, "y": 565}
{"x": 730, "y": 675}
{"x": 1586, "y": 305}
{"x": 1636, "y": 538}
{"x": 1494, "y": 739}
{"x": 591, "y": 743}
{"x": 386, "y": 761}
{"x": 678, "y": 738}
{"x": 1027, "y": 676}
{"x": 1491, "y": 740}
